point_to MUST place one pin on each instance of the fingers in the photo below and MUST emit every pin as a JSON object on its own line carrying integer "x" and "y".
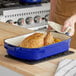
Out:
{"x": 66, "y": 25}
{"x": 72, "y": 31}
{"x": 49, "y": 28}
{"x": 63, "y": 29}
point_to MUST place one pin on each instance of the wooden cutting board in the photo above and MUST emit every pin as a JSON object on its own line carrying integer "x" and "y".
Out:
{"x": 8, "y": 31}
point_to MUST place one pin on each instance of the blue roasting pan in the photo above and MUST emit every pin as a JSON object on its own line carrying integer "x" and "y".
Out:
{"x": 30, "y": 1}
{"x": 13, "y": 49}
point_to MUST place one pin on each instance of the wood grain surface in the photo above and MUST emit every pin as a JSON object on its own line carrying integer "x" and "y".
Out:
{"x": 8, "y": 31}
{"x": 46, "y": 68}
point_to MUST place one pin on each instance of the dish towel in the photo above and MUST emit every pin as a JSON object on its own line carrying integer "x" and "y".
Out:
{"x": 66, "y": 67}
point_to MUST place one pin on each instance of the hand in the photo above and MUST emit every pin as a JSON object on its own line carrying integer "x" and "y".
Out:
{"x": 70, "y": 22}
{"x": 49, "y": 28}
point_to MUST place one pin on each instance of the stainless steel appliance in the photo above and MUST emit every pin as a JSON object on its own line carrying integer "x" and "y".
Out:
{"x": 26, "y": 15}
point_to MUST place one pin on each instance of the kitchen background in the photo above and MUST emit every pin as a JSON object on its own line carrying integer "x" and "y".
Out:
{"x": 27, "y": 14}
{"x": 31, "y": 14}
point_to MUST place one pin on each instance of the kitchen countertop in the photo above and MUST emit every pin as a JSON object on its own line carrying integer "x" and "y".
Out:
{"x": 8, "y": 31}
{"x": 8, "y": 72}
{"x": 46, "y": 68}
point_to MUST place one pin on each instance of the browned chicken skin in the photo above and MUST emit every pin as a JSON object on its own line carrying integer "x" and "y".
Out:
{"x": 48, "y": 39}
{"x": 37, "y": 40}
{"x": 34, "y": 41}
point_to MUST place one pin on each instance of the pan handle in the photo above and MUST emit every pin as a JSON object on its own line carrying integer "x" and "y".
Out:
{"x": 7, "y": 46}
